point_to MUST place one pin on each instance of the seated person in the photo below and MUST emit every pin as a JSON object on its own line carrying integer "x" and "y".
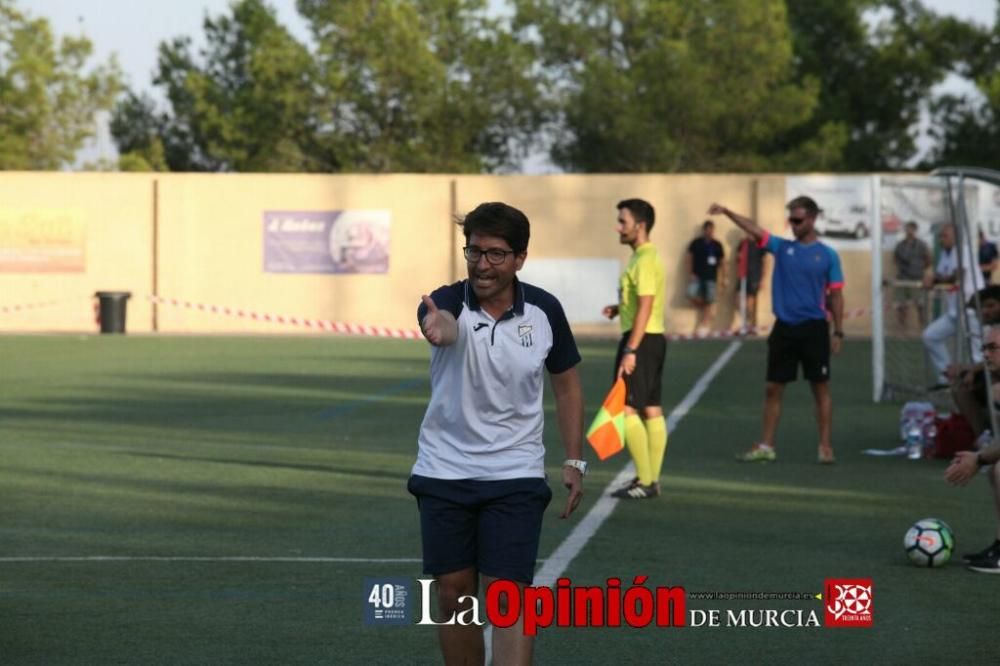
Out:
{"x": 968, "y": 381}
{"x": 965, "y": 464}
{"x": 938, "y": 335}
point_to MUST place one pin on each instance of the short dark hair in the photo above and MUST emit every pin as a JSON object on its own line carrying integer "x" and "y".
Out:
{"x": 707, "y": 223}
{"x": 495, "y": 218}
{"x": 805, "y": 203}
{"x": 991, "y": 293}
{"x": 911, "y": 225}
{"x": 641, "y": 210}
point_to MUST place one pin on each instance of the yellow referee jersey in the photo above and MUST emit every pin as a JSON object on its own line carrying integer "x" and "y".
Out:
{"x": 644, "y": 276}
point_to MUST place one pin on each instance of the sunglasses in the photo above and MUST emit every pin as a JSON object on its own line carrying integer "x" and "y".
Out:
{"x": 796, "y": 220}
{"x": 991, "y": 347}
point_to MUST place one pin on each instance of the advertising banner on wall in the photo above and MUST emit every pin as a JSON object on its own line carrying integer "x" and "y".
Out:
{"x": 331, "y": 241}
{"x": 42, "y": 240}
{"x": 845, "y": 205}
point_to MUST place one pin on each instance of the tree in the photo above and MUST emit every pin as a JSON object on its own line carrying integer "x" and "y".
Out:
{"x": 668, "y": 85}
{"x": 422, "y": 85}
{"x": 877, "y": 61}
{"x": 246, "y": 105}
{"x": 967, "y": 127}
{"x": 48, "y": 98}
{"x": 399, "y": 85}
{"x": 137, "y": 128}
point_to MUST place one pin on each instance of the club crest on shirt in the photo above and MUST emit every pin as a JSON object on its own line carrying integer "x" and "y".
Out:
{"x": 524, "y": 332}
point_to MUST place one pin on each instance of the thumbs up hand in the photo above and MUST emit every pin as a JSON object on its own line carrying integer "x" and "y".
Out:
{"x": 438, "y": 326}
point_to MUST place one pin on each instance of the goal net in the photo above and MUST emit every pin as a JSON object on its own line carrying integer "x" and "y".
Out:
{"x": 901, "y": 308}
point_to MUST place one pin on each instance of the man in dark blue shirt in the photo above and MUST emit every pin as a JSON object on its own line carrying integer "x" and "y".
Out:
{"x": 805, "y": 270}
{"x": 705, "y": 268}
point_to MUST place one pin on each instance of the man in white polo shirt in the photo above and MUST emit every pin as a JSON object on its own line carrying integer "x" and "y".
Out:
{"x": 479, "y": 478}
{"x": 939, "y": 333}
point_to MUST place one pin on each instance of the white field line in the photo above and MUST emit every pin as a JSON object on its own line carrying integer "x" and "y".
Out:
{"x": 586, "y": 528}
{"x": 578, "y": 537}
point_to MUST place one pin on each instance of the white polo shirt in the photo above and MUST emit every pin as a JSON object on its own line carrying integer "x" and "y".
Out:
{"x": 972, "y": 279}
{"x": 485, "y": 416}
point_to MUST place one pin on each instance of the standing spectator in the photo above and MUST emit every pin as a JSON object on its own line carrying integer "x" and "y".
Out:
{"x": 912, "y": 257}
{"x": 988, "y": 257}
{"x": 750, "y": 270}
{"x": 705, "y": 267}
{"x": 642, "y": 348}
{"x": 939, "y": 333}
{"x": 804, "y": 269}
{"x": 479, "y": 478}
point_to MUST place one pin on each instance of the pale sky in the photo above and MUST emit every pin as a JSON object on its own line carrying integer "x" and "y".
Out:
{"x": 133, "y": 29}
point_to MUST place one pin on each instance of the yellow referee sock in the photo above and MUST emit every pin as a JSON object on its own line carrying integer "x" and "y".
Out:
{"x": 656, "y": 433}
{"x": 638, "y": 447}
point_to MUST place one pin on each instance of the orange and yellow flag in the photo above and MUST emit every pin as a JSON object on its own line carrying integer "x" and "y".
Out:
{"x": 607, "y": 432}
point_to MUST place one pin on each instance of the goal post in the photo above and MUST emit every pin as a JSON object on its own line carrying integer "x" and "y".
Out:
{"x": 968, "y": 199}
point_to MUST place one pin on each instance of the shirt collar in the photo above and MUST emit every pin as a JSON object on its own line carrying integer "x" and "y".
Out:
{"x": 473, "y": 303}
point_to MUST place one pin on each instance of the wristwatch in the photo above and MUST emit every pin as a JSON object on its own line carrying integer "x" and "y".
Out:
{"x": 579, "y": 465}
{"x": 627, "y": 350}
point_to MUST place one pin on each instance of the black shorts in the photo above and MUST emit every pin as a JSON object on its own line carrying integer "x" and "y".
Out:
{"x": 643, "y": 387}
{"x": 752, "y": 286}
{"x": 493, "y": 526}
{"x": 789, "y": 345}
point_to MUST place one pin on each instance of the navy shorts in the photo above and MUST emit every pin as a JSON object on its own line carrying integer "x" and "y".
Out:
{"x": 493, "y": 526}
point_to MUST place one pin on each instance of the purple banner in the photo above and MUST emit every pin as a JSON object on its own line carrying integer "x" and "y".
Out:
{"x": 326, "y": 241}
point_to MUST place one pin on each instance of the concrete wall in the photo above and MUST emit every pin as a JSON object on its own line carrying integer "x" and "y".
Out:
{"x": 211, "y": 249}
{"x": 198, "y": 238}
{"x": 115, "y": 215}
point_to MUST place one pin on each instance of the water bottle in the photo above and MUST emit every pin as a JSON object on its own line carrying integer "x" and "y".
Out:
{"x": 917, "y": 428}
{"x": 914, "y": 440}
{"x": 930, "y": 433}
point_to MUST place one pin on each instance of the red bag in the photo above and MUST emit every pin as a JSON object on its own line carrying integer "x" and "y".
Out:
{"x": 953, "y": 434}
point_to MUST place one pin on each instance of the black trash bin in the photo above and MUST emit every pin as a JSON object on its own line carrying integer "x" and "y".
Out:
{"x": 112, "y": 310}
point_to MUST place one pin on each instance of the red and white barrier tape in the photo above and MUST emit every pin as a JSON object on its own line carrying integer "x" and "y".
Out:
{"x": 414, "y": 334}
{"x": 372, "y": 331}
{"x": 24, "y": 307}
{"x": 749, "y": 332}
{"x": 320, "y": 324}
{"x": 716, "y": 335}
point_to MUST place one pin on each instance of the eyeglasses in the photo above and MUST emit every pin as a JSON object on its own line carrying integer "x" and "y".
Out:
{"x": 494, "y": 255}
{"x": 796, "y": 220}
{"x": 991, "y": 347}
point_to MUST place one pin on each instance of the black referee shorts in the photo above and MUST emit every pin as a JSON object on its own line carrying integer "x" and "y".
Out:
{"x": 807, "y": 344}
{"x": 643, "y": 387}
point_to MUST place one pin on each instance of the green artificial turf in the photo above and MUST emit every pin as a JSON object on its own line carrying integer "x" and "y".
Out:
{"x": 285, "y": 449}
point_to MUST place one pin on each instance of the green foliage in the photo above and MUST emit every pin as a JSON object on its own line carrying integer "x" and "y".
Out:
{"x": 967, "y": 127}
{"x": 246, "y": 104}
{"x": 422, "y": 85}
{"x": 136, "y": 128}
{"x": 414, "y": 85}
{"x": 669, "y": 85}
{"x": 877, "y": 70}
{"x": 48, "y": 98}
{"x": 611, "y": 85}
